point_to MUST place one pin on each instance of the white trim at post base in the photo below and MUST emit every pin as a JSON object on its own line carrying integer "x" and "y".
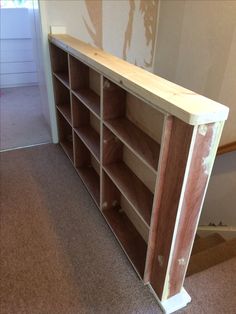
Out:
{"x": 174, "y": 303}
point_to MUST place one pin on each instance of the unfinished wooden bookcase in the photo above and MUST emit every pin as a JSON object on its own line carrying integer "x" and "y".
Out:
{"x": 144, "y": 148}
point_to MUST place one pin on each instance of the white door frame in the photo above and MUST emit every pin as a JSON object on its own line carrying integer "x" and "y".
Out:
{"x": 47, "y": 67}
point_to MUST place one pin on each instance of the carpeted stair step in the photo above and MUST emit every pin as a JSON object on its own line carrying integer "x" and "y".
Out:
{"x": 208, "y": 242}
{"x": 213, "y": 256}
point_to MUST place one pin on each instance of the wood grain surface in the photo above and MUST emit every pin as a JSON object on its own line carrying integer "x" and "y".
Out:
{"x": 197, "y": 180}
{"x": 140, "y": 143}
{"x": 90, "y": 138}
{"x": 171, "y": 98}
{"x": 168, "y": 193}
{"x": 59, "y": 62}
{"x": 90, "y": 99}
{"x": 92, "y": 182}
{"x": 132, "y": 188}
{"x": 129, "y": 238}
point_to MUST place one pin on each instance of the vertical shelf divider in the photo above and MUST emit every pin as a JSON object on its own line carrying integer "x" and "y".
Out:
{"x": 101, "y": 140}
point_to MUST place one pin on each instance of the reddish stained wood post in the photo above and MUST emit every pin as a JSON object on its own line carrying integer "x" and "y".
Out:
{"x": 186, "y": 160}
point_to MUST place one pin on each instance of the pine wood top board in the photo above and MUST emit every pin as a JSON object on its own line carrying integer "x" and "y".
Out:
{"x": 162, "y": 94}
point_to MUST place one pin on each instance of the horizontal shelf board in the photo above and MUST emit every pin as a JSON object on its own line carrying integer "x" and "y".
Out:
{"x": 132, "y": 188}
{"x": 131, "y": 241}
{"x": 68, "y": 148}
{"x": 63, "y": 77}
{"x": 140, "y": 143}
{"x": 90, "y": 138}
{"x": 90, "y": 99}
{"x": 91, "y": 180}
{"x": 65, "y": 111}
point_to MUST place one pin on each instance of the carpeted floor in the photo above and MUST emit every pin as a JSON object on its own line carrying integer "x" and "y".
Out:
{"x": 57, "y": 253}
{"x": 58, "y": 256}
{"x": 21, "y": 120}
{"x": 213, "y": 290}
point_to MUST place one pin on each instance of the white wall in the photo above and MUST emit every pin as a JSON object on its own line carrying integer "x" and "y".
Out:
{"x": 196, "y": 48}
{"x": 67, "y": 13}
{"x": 17, "y": 59}
{"x": 125, "y": 28}
{"x": 220, "y": 202}
{"x": 129, "y": 30}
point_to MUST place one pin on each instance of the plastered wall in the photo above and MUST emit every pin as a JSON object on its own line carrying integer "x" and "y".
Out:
{"x": 130, "y": 31}
{"x": 220, "y": 201}
{"x": 127, "y": 29}
{"x": 196, "y": 48}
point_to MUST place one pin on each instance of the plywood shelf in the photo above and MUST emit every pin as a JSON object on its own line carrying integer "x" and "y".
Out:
{"x": 67, "y": 146}
{"x": 65, "y": 111}
{"x": 59, "y": 61}
{"x": 90, "y": 138}
{"x": 140, "y": 143}
{"x": 65, "y": 135}
{"x": 90, "y": 99}
{"x": 85, "y": 84}
{"x": 87, "y": 168}
{"x": 136, "y": 193}
{"x": 62, "y": 99}
{"x": 129, "y": 238}
{"x": 92, "y": 182}
{"x": 63, "y": 77}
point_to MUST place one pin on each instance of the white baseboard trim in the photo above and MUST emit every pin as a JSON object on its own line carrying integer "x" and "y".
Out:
{"x": 174, "y": 303}
{"x": 23, "y": 147}
{"x": 227, "y": 232}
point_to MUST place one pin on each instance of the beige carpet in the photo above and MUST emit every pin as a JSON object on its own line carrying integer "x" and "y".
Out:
{"x": 58, "y": 256}
{"x": 57, "y": 253}
{"x": 21, "y": 120}
{"x": 213, "y": 291}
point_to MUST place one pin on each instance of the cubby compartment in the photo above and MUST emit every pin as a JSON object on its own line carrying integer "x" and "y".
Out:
{"x": 65, "y": 135}
{"x": 88, "y": 168}
{"x": 62, "y": 99}
{"x": 117, "y": 163}
{"x": 59, "y": 62}
{"x": 85, "y": 84}
{"x": 130, "y": 239}
{"x": 86, "y": 126}
{"x": 137, "y": 125}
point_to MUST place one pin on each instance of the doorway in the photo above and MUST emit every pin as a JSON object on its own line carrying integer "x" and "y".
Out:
{"x": 24, "y": 119}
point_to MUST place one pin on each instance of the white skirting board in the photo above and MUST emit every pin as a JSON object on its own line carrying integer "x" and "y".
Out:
{"x": 174, "y": 303}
